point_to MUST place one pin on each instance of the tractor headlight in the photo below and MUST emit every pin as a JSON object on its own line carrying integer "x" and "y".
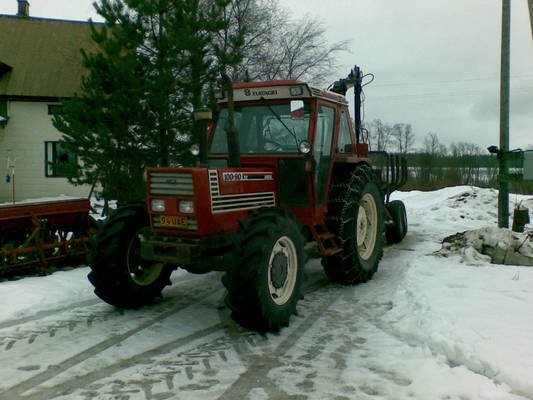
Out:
{"x": 304, "y": 147}
{"x": 186, "y": 207}
{"x": 158, "y": 205}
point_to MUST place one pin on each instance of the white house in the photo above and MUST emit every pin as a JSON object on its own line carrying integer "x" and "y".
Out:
{"x": 40, "y": 64}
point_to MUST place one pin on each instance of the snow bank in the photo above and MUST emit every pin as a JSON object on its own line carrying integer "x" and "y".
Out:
{"x": 477, "y": 318}
{"x": 29, "y": 296}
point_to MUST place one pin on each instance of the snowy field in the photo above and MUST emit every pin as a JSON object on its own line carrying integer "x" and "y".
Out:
{"x": 426, "y": 327}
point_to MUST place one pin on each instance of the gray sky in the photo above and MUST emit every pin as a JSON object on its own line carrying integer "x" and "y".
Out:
{"x": 436, "y": 62}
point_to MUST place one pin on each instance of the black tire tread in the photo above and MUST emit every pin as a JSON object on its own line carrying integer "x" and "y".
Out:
{"x": 109, "y": 274}
{"x": 242, "y": 280}
{"x": 395, "y": 233}
{"x": 346, "y": 268}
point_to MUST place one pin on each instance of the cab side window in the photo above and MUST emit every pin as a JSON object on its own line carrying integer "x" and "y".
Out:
{"x": 345, "y": 137}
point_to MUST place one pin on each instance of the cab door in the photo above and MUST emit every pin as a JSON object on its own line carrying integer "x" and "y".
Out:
{"x": 322, "y": 150}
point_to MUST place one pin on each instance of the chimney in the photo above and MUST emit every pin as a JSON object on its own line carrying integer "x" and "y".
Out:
{"x": 23, "y": 9}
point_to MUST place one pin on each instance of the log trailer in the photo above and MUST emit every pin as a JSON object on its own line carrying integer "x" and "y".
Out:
{"x": 297, "y": 172}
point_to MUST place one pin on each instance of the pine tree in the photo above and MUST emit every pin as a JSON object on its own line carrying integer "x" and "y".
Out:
{"x": 155, "y": 65}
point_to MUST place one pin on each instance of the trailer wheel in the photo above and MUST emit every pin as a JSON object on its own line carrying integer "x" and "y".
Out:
{"x": 356, "y": 216}
{"x": 264, "y": 284}
{"x": 119, "y": 276}
{"x": 396, "y": 232}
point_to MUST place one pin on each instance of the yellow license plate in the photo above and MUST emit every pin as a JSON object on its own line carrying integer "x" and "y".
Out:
{"x": 174, "y": 221}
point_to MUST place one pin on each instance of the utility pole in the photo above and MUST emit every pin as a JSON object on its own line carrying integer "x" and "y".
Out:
{"x": 503, "y": 194}
{"x": 530, "y": 3}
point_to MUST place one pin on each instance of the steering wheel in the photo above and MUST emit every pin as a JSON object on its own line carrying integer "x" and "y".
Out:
{"x": 276, "y": 145}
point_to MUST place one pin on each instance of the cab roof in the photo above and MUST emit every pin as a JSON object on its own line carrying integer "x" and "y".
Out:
{"x": 278, "y": 90}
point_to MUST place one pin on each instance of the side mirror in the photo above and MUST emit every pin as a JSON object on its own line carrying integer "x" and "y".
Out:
{"x": 202, "y": 116}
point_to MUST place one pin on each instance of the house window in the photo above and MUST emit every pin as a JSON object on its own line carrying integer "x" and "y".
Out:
{"x": 55, "y": 109}
{"x": 58, "y": 160}
{"x": 3, "y": 113}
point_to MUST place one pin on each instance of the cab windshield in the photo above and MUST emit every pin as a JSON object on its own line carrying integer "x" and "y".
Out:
{"x": 265, "y": 129}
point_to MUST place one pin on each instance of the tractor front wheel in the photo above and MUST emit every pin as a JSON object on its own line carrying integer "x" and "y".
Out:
{"x": 264, "y": 284}
{"x": 118, "y": 273}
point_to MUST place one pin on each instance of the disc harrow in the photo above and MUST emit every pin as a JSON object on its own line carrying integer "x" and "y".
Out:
{"x": 35, "y": 236}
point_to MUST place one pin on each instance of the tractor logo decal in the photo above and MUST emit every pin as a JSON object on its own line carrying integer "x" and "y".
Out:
{"x": 267, "y": 92}
{"x": 238, "y": 202}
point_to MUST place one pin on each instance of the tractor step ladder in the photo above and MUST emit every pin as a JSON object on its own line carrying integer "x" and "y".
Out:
{"x": 326, "y": 240}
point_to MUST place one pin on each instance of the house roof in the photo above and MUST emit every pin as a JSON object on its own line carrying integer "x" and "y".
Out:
{"x": 41, "y": 57}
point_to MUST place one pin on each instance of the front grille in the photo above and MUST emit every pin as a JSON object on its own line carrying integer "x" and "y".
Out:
{"x": 171, "y": 184}
{"x": 243, "y": 201}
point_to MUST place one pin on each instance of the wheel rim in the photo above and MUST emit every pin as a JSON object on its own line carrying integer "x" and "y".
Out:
{"x": 141, "y": 272}
{"x": 282, "y": 270}
{"x": 367, "y": 225}
{"x": 404, "y": 222}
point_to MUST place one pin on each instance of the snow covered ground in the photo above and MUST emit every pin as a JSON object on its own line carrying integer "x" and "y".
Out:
{"x": 426, "y": 327}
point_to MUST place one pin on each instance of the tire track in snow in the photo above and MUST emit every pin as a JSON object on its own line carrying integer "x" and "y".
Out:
{"x": 16, "y": 391}
{"x": 48, "y": 313}
{"x": 259, "y": 366}
{"x": 183, "y": 281}
{"x": 204, "y": 356}
{"x": 11, "y": 339}
{"x": 69, "y": 386}
{"x": 200, "y": 365}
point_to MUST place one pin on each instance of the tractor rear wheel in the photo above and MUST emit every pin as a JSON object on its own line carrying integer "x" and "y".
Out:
{"x": 119, "y": 276}
{"x": 396, "y": 232}
{"x": 264, "y": 284}
{"x": 355, "y": 215}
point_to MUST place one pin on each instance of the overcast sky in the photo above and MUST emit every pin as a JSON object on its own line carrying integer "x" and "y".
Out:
{"x": 436, "y": 63}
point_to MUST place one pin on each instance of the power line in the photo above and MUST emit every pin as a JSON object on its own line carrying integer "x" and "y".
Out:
{"x": 447, "y": 94}
{"x": 494, "y": 78}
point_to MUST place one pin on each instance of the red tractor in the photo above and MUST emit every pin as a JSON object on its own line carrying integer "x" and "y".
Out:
{"x": 297, "y": 172}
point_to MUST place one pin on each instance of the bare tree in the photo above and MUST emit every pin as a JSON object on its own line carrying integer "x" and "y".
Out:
{"x": 255, "y": 20}
{"x": 379, "y": 135}
{"x": 303, "y": 53}
{"x": 404, "y": 137}
{"x": 278, "y": 48}
{"x": 460, "y": 149}
{"x": 433, "y": 146}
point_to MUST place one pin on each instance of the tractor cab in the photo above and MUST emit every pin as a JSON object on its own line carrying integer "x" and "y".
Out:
{"x": 297, "y": 131}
